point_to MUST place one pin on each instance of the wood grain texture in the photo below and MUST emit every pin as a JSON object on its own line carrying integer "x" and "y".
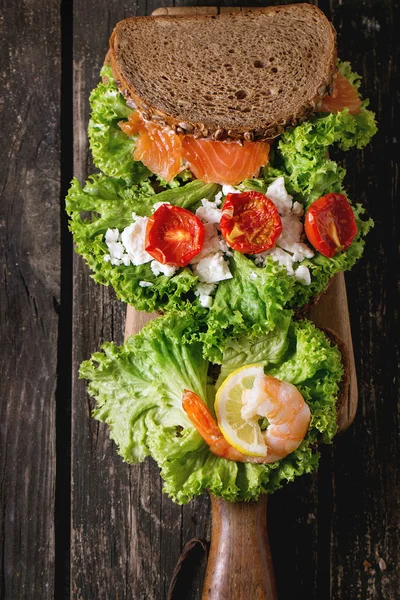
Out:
{"x": 366, "y": 474}
{"x": 332, "y": 532}
{"x": 239, "y": 564}
{"x": 332, "y": 311}
{"x": 29, "y": 294}
{"x": 126, "y": 536}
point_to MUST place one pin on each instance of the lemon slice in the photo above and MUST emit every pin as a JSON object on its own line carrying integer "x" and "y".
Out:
{"x": 244, "y": 435}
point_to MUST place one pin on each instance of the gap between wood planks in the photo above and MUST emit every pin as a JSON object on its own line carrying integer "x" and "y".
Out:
{"x": 62, "y": 515}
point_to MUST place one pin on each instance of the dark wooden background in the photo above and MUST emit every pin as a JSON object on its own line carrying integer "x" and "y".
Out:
{"x": 77, "y": 522}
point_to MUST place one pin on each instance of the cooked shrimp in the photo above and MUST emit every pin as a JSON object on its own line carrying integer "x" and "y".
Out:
{"x": 201, "y": 417}
{"x": 280, "y": 402}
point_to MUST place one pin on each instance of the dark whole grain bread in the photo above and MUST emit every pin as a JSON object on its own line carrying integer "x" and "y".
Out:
{"x": 243, "y": 75}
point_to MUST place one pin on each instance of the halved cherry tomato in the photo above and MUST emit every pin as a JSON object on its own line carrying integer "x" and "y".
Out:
{"x": 250, "y": 222}
{"x": 330, "y": 225}
{"x": 174, "y": 235}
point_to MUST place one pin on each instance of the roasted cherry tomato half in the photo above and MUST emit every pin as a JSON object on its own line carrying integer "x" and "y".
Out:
{"x": 250, "y": 222}
{"x": 174, "y": 235}
{"x": 330, "y": 225}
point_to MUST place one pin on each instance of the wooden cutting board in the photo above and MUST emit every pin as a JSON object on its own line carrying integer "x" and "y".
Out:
{"x": 240, "y": 561}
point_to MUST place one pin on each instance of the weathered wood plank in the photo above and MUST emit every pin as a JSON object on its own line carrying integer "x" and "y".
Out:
{"x": 126, "y": 537}
{"x": 355, "y": 515}
{"x": 29, "y": 294}
{"x": 366, "y": 465}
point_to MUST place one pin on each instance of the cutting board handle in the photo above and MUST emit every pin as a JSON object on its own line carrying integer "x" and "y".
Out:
{"x": 239, "y": 564}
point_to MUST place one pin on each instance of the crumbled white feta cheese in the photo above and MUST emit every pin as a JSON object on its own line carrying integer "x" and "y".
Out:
{"x": 126, "y": 260}
{"x": 211, "y": 243}
{"x": 204, "y": 291}
{"x": 212, "y": 268}
{"x": 279, "y": 196}
{"x": 302, "y": 274}
{"x": 206, "y": 301}
{"x": 116, "y": 254}
{"x": 301, "y": 251}
{"x": 297, "y": 209}
{"x": 253, "y": 275}
{"x": 218, "y": 199}
{"x": 159, "y": 268}
{"x": 116, "y": 249}
{"x": 209, "y": 212}
{"x": 112, "y": 235}
{"x": 145, "y": 284}
{"x": 225, "y": 248}
{"x": 292, "y": 228}
{"x": 133, "y": 238}
{"x": 288, "y": 249}
{"x": 228, "y": 189}
{"x": 283, "y": 258}
{"x": 289, "y": 240}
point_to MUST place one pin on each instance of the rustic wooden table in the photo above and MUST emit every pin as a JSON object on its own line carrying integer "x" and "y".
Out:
{"x": 77, "y": 522}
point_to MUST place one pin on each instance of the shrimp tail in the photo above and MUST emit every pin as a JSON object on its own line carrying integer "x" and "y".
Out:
{"x": 200, "y": 416}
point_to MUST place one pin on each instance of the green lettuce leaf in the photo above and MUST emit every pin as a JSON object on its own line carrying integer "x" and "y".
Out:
{"x": 138, "y": 390}
{"x": 301, "y": 151}
{"x": 301, "y": 155}
{"x": 111, "y": 203}
{"x": 268, "y": 347}
{"x": 323, "y": 268}
{"x": 253, "y": 297}
{"x": 112, "y": 149}
{"x": 144, "y": 381}
{"x": 252, "y": 301}
{"x": 353, "y": 77}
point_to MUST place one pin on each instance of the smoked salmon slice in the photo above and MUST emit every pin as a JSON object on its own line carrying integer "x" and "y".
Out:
{"x": 166, "y": 153}
{"x": 133, "y": 125}
{"x": 160, "y": 150}
{"x": 344, "y": 96}
{"x": 224, "y": 162}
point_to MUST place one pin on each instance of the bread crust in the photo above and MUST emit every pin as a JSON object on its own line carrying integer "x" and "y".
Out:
{"x": 261, "y": 130}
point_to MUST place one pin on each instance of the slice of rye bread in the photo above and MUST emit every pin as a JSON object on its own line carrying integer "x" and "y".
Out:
{"x": 238, "y": 76}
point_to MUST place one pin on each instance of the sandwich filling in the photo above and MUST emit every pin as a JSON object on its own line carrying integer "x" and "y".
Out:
{"x": 166, "y": 153}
